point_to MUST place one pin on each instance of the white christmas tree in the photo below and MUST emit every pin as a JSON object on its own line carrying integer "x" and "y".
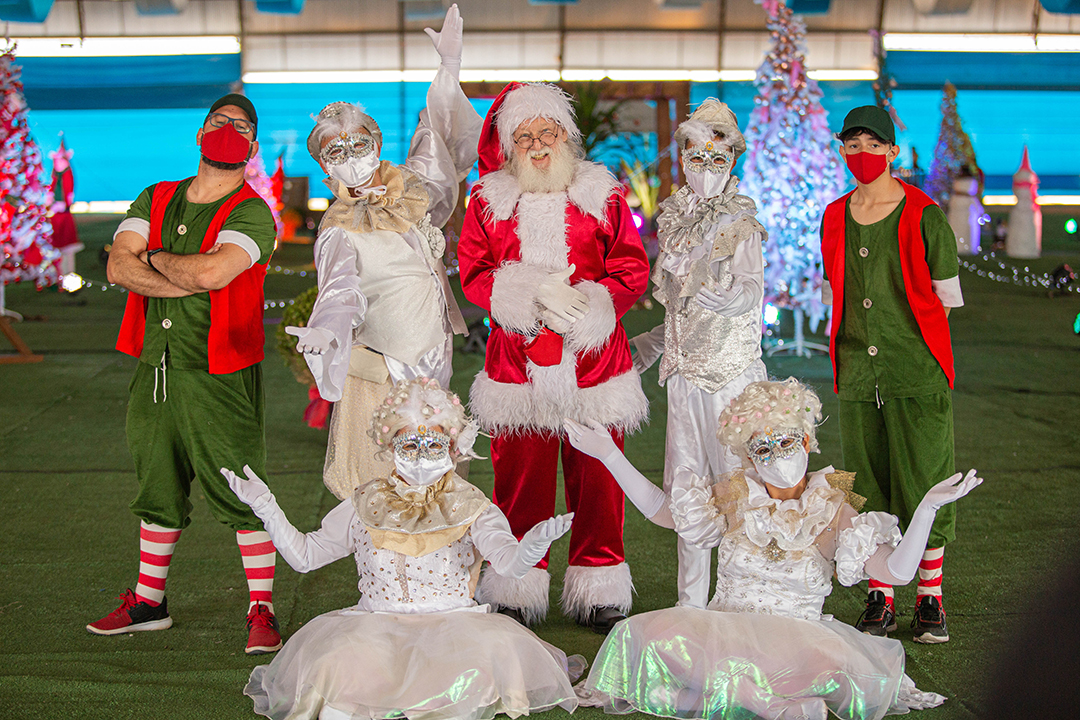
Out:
{"x": 791, "y": 170}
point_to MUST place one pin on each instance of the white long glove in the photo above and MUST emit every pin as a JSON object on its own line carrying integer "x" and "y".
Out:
{"x": 648, "y": 347}
{"x": 596, "y": 442}
{"x": 563, "y": 301}
{"x": 448, "y": 42}
{"x": 535, "y": 543}
{"x": 904, "y": 561}
{"x": 312, "y": 340}
{"x": 729, "y": 303}
{"x": 508, "y": 556}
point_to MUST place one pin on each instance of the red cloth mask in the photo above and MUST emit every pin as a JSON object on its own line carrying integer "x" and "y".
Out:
{"x": 866, "y": 167}
{"x": 225, "y": 145}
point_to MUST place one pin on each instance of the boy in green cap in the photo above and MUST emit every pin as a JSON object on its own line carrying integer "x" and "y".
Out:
{"x": 891, "y": 275}
{"x": 193, "y": 255}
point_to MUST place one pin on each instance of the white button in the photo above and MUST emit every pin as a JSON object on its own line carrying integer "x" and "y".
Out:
{"x": 867, "y": 302}
{"x": 863, "y": 252}
{"x": 872, "y": 350}
{"x": 166, "y": 323}
{"x": 183, "y": 230}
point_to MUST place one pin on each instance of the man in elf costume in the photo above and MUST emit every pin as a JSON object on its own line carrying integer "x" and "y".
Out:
{"x": 193, "y": 254}
{"x": 892, "y": 276}
{"x": 550, "y": 250}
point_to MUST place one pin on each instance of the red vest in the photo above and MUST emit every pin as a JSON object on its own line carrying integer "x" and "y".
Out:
{"x": 925, "y": 305}
{"x": 236, "y": 311}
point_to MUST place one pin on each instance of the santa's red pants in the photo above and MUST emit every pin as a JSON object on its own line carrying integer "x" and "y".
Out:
{"x": 525, "y": 467}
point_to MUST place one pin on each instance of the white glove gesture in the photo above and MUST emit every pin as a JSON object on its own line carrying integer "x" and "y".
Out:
{"x": 717, "y": 300}
{"x": 250, "y": 490}
{"x": 535, "y": 543}
{"x": 448, "y": 41}
{"x": 647, "y": 348}
{"x": 311, "y": 340}
{"x": 565, "y": 302}
{"x": 950, "y": 490}
{"x": 595, "y": 440}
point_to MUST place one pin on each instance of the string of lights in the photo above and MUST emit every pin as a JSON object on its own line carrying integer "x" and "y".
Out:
{"x": 1012, "y": 274}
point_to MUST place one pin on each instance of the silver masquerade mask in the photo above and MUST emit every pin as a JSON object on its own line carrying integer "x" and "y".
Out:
{"x": 771, "y": 445}
{"x": 422, "y": 444}
{"x": 346, "y": 146}
{"x": 712, "y": 157}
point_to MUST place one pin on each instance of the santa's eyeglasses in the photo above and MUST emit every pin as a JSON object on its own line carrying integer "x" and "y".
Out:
{"x": 547, "y": 138}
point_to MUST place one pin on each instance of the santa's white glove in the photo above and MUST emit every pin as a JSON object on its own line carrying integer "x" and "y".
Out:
{"x": 904, "y": 561}
{"x": 554, "y": 323}
{"x": 555, "y": 294}
{"x": 252, "y": 491}
{"x": 312, "y": 340}
{"x": 648, "y": 347}
{"x": 720, "y": 301}
{"x": 448, "y": 42}
{"x": 535, "y": 543}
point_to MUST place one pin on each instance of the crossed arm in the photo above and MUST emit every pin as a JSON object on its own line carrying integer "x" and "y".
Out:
{"x": 173, "y": 275}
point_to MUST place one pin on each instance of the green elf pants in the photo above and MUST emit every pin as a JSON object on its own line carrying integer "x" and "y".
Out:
{"x": 187, "y": 424}
{"x": 898, "y": 452}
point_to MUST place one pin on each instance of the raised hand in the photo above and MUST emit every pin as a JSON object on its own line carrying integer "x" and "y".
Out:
{"x": 311, "y": 340}
{"x": 448, "y": 42}
{"x": 951, "y": 489}
{"x": 594, "y": 440}
{"x": 250, "y": 490}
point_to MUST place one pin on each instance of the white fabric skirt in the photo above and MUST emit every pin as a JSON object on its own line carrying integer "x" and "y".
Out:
{"x": 688, "y": 663}
{"x": 435, "y": 666}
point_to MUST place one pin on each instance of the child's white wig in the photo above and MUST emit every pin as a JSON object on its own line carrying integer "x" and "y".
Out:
{"x": 422, "y": 401}
{"x": 768, "y": 406}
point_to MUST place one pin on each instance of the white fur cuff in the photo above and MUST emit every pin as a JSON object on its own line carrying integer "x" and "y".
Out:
{"x": 585, "y": 588}
{"x": 592, "y": 331}
{"x": 528, "y": 594}
{"x": 513, "y": 296}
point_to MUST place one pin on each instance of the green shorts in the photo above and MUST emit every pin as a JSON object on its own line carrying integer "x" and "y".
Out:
{"x": 188, "y": 424}
{"x": 898, "y": 452}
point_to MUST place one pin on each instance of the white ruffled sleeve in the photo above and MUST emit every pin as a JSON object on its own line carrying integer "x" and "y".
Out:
{"x": 856, "y": 545}
{"x": 443, "y": 148}
{"x": 696, "y": 517}
{"x": 340, "y": 307}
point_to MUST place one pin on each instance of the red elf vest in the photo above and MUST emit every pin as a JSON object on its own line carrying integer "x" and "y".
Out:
{"x": 925, "y": 305}
{"x": 236, "y": 336}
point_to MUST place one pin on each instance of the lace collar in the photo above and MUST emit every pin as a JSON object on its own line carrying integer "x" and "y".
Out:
{"x": 793, "y": 524}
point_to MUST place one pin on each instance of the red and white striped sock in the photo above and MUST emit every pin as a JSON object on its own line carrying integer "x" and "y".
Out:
{"x": 930, "y": 573}
{"x": 259, "y": 555}
{"x": 887, "y": 590}
{"x": 156, "y": 545}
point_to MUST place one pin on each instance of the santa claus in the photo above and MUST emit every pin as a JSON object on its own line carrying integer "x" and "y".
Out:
{"x": 550, "y": 250}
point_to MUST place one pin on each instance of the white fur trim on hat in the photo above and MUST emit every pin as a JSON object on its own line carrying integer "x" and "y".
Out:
{"x": 585, "y": 588}
{"x": 532, "y": 101}
{"x": 528, "y": 594}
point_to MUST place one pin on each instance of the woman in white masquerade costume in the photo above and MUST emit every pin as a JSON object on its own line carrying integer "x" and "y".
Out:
{"x": 416, "y": 645}
{"x": 709, "y": 277}
{"x": 385, "y": 312}
{"x": 763, "y": 648}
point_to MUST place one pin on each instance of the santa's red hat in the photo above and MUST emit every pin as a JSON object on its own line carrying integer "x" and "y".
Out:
{"x": 518, "y": 103}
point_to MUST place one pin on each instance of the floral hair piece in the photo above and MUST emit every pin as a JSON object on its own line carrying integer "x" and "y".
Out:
{"x": 422, "y": 402}
{"x": 767, "y": 406}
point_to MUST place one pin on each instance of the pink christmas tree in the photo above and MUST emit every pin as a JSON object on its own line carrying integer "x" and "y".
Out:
{"x": 255, "y": 174}
{"x": 26, "y": 252}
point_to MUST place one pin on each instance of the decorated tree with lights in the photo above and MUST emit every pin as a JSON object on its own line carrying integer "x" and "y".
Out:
{"x": 792, "y": 171}
{"x": 954, "y": 155}
{"x": 255, "y": 174}
{"x": 25, "y": 197}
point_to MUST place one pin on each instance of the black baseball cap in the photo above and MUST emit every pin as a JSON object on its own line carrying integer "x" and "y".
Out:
{"x": 873, "y": 119}
{"x": 241, "y": 102}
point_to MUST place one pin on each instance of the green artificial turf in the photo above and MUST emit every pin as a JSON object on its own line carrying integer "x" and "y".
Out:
{"x": 68, "y": 544}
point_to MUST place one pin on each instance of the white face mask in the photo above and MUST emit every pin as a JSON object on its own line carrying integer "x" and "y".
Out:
{"x": 422, "y": 472}
{"x": 356, "y": 171}
{"x": 785, "y": 472}
{"x": 707, "y": 184}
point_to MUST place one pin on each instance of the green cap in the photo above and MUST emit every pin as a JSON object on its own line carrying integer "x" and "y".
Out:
{"x": 873, "y": 119}
{"x": 241, "y": 102}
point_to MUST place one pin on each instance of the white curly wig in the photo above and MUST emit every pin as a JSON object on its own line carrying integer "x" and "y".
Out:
{"x": 412, "y": 403}
{"x": 337, "y": 118}
{"x": 769, "y": 405}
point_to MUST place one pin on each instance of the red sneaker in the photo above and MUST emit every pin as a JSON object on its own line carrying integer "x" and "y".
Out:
{"x": 132, "y": 616}
{"x": 263, "y": 634}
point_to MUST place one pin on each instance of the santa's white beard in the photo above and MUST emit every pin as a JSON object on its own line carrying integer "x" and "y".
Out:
{"x": 555, "y": 177}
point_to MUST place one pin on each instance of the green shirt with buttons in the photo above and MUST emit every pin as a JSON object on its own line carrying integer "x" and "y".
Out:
{"x": 180, "y": 327}
{"x": 880, "y": 352}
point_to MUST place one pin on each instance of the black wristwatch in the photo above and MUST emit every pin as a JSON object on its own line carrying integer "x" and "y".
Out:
{"x": 150, "y": 254}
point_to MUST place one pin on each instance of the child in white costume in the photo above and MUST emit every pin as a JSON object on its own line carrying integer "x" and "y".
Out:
{"x": 764, "y": 649}
{"x": 709, "y": 277}
{"x": 416, "y": 645}
{"x": 385, "y": 311}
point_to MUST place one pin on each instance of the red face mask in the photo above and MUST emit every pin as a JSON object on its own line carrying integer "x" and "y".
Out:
{"x": 225, "y": 145}
{"x": 866, "y": 167}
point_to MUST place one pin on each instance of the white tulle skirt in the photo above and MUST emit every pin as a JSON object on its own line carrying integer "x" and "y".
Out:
{"x": 436, "y": 666}
{"x": 691, "y": 663}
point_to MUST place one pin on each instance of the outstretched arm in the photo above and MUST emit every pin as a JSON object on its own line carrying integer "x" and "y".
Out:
{"x": 303, "y": 551}
{"x": 508, "y": 556}
{"x": 596, "y": 442}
